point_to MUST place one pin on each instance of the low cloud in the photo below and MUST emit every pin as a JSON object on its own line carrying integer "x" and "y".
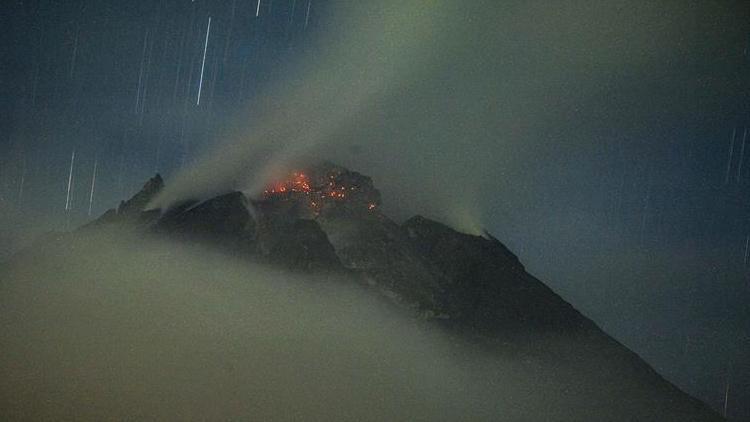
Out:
{"x": 110, "y": 327}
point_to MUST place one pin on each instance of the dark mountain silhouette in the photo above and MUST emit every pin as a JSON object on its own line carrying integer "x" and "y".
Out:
{"x": 327, "y": 218}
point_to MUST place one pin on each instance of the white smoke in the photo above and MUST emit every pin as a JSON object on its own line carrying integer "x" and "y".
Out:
{"x": 444, "y": 103}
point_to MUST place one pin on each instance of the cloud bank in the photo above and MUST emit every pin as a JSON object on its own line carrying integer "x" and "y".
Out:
{"x": 113, "y": 327}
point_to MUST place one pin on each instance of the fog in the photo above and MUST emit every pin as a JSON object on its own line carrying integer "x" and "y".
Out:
{"x": 110, "y": 330}
{"x": 111, "y": 327}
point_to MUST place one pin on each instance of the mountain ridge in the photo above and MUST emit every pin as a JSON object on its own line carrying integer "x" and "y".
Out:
{"x": 327, "y": 219}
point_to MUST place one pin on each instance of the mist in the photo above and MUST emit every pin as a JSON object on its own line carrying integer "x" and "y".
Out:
{"x": 108, "y": 326}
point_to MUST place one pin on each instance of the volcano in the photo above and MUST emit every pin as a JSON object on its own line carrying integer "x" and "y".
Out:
{"x": 326, "y": 220}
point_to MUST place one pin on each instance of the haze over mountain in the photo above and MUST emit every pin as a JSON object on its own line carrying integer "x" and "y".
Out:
{"x": 304, "y": 301}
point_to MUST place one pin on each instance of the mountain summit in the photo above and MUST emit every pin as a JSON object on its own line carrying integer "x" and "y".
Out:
{"x": 326, "y": 219}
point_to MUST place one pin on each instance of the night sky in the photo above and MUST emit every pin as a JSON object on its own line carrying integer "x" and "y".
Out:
{"x": 603, "y": 142}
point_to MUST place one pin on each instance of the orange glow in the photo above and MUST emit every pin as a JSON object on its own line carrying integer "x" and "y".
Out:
{"x": 317, "y": 195}
{"x": 298, "y": 182}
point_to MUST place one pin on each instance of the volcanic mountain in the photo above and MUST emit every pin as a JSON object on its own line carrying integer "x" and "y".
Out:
{"x": 327, "y": 220}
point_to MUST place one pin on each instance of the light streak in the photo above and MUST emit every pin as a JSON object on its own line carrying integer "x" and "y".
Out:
{"x": 68, "y": 204}
{"x": 93, "y": 183}
{"x": 307, "y": 15}
{"x": 203, "y": 66}
{"x": 140, "y": 74}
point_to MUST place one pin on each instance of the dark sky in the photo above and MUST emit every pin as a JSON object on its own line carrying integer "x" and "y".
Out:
{"x": 602, "y": 141}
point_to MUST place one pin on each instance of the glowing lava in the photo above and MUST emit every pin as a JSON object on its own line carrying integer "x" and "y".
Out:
{"x": 319, "y": 190}
{"x": 298, "y": 182}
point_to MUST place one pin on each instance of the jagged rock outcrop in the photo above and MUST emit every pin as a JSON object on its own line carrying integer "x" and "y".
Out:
{"x": 133, "y": 211}
{"x": 136, "y": 205}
